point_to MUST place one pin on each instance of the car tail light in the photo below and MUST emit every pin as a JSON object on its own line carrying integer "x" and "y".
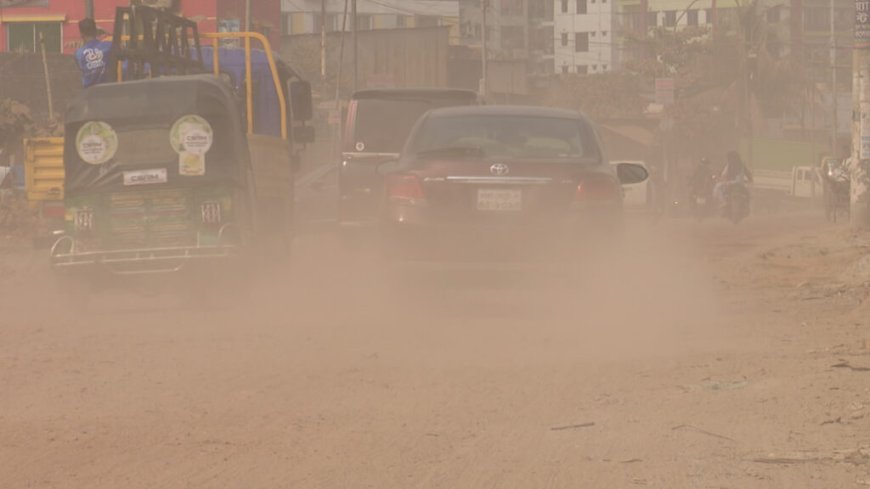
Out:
{"x": 405, "y": 188}
{"x": 597, "y": 188}
{"x": 84, "y": 220}
{"x": 211, "y": 213}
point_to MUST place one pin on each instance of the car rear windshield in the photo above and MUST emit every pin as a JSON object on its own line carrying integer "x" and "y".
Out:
{"x": 383, "y": 125}
{"x": 506, "y": 136}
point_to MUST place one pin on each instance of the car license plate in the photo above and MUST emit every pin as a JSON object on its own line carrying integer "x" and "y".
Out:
{"x": 491, "y": 199}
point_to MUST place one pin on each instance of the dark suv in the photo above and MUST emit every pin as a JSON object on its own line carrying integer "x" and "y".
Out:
{"x": 378, "y": 122}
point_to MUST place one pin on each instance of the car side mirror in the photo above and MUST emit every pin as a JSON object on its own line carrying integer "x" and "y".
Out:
{"x": 301, "y": 103}
{"x": 303, "y": 134}
{"x": 631, "y": 173}
{"x": 388, "y": 167}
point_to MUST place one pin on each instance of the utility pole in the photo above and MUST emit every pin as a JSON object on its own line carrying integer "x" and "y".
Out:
{"x": 248, "y": 16}
{"x": 89, "y": 9}
{"x": 323, "y": 41}
{"x": 355, "y": 41}
{"x": 713, "y": 13}
{"x": 834, "y": 93}
{"x": 484, "y": 53}
{"x": 338, "y": 78}
{"x": 860, "y": 198}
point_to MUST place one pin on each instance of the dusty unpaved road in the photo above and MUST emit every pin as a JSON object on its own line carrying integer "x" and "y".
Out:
{"x": 708, "y": 356}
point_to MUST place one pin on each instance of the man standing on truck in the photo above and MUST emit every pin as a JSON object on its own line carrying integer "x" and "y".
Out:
{"x": 93, "y": 56}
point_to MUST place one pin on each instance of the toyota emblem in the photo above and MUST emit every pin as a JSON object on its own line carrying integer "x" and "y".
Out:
{"x": 499, "y": 169}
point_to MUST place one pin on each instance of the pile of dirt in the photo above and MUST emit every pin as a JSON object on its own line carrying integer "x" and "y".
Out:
{"x": 17, "y": 122}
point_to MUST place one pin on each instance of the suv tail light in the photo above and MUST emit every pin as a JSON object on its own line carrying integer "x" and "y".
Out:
{"x": 211, "y": 213}
{"x": 84, "y": 220}
{"x": 406, "y": 188}
{"x": 598, "y": 188}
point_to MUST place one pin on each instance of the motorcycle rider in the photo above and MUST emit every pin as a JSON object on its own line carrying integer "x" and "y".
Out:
{"x": 735, "y": 172}
{"x": 832, "y": 170}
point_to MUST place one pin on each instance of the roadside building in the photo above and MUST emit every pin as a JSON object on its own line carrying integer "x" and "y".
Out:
{"x": 306, "y": 16}
{"x": 24, "y": 22}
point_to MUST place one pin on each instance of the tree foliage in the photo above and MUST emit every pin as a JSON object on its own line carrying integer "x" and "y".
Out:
{"x": 610, "y": 95}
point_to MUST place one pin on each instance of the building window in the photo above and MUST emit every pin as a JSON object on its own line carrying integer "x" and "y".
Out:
{"x": 652, "y": 19}
{"x": 604, "y": 33}
{"x": 565, "y": 11}
{"x": 513, "y": 37}
{"x": 670, "y": 18}
{"x": 427, "y": 21}
{"x": 512, "y": 7}
{"x": 581, "y": 42}
{"x": 582, "y": 69}
{"x": 24, "y": 36}
{"x": 564, "y": 69}
{"x": 364, "y": 22}
{"x": 581, "y": 6}
{"x": 773, "y": 15}
{"x": 564, "y": 38}
{"x": 470, "y": 31}
{"x": 604, "y": 67}
{"x": 330, "y": 23}
{"x": 692, "y": 18}
{"x": 401, "y": 21}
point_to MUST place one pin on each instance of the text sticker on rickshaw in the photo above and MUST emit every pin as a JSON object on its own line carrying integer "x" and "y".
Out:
{"x": 191, "y": 137}
{"x": 96, "y": 142}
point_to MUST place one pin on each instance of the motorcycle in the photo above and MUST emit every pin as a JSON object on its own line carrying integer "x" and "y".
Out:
{"x": 701, "y": 198}
{"x": 837, "y": 184}
{"x": 736, "y": 202}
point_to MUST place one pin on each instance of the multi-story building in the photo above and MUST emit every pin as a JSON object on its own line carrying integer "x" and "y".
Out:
{"x": 305, "y": 16}
{"x": 22, "y": 23}
{"x": 507, "y": 27}
{"x": 541, "y": 35}
{"x": 515, "y": 30}
{"x": 810, "y": 32}
{"x": 584, "y": 36}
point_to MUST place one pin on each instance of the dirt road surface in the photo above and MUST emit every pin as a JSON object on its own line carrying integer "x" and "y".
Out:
{"x": 699, "y": 356}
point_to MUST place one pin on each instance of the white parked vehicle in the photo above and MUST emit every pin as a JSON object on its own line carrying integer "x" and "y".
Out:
{"x": 637, "y": 195}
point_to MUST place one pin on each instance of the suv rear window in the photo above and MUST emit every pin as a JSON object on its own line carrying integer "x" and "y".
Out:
{"x": 382, "y": 125}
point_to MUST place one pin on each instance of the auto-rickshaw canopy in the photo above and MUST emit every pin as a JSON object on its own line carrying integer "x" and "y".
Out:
{"x": 138, "y": 117}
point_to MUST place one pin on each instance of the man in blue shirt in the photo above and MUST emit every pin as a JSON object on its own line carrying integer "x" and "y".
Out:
{"x": 93, "y": 56}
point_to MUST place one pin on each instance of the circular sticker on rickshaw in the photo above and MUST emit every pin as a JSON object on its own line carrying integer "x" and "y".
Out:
{"x": 191, "y": 137}
{"x": 360, "y": 146}
{"x": 96, "y": 142}
{"x": 192, "y": 134}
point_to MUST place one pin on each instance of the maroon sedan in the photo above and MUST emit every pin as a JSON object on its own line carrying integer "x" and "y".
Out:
{"x": 501, "y": 182}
